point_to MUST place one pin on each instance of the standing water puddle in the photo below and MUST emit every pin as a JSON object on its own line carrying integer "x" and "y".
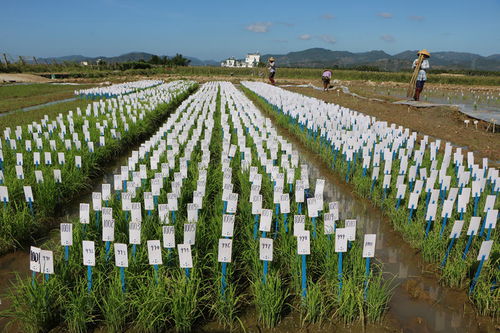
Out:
{"x": 34, "y": 107}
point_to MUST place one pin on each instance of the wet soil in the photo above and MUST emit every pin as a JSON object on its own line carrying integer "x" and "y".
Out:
{"x": 441, "y": 122}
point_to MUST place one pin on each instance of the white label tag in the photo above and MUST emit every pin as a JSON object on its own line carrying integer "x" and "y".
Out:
{"x": 190, "y": 233}
{"x": 456, "y": 229}
{"x": 134, "y": 232}
{"x": 88, "y": 253}
{"x": 266, "y": 249}
{"x": 108, "y": 229}
{"x": 121, "y": 255}
{"x": 227, "y": 225}
{"x": 84, "y": 213}
{"x": 265, "y": 220}
{"x": 369, "y": 245}
{"x": 485, "y": 250}
{"x": 66, "y": 234}
{"x": 341, "y": 240}
{"x": 154, "y": 252}
{"x": 329, "y": 223}
{"x": 304, "y": 243}
{"x": 185, "y": 258}
{"x": 350, "y": 226}
{"x": 35, "y": 253}
{"x": 225, "y": 249}
{"x": 163, "y": 213}
{"x": 491, "y": 219}
{"x": 46, "y": 262}
{"x": 168, "y": 236}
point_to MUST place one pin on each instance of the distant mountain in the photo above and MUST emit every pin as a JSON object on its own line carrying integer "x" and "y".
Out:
{"x": 319, "y": 57}
{"x": 132, "y": 56}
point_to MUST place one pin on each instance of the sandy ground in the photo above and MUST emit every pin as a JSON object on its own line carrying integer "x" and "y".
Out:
{"x": 15, "y": 77}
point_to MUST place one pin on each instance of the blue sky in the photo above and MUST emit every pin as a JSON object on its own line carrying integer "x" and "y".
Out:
{"x": 218, "y": 29}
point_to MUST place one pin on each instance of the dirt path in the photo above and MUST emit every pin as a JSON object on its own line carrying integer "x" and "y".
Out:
{"x": 22, "y": 78}
{"x": 440, "y": 122}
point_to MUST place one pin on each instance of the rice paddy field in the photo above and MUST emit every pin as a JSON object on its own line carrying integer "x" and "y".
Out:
{"x": 152, "y": 206}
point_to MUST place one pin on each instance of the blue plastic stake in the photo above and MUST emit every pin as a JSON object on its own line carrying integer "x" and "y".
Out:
{"x": 33, "y": 277}
{"x": 97, "y": 218}
{"x": 266, "y": 269}
{"x": 89, "y": 278}
{"x": 30, "y": 204}
{"x": 285, "y": 221}
{"x": 300, "y": 208}
{"x": 313, "y": 220}
{"x": 348, "y": 170}
{"x": 304, "y": 276}
{"x": 398, "y": 203}
{"x": 448, "y": 251}
{"x": 173, "y": 216}
{"x": 134, "y": 250}
{"x": 223, "y": 279}
{"x": 367, "y": 275}
{"x": 340, "y": 272}
{"x": 255, "y": 225}
{"x": 276, "y": 222}
{"x": 66, "y": 253}
{"x": 429, "y": 222}
{"x": 411, "y": 214}
{"x": 188, "y": 273}
{"x": 483, "y": 225}
{"x": 443, "y": 226}
{"x": 469, "y": 242}
{"x": 156, "y": 273}
{"x": 476, "y": 277}
{"x": 476, "y": 201}
{"x": 489, "y": 232}
{"x": 225, "y": 207}
{"x": 107, "y": 245}
{"x": 122, "y": 278}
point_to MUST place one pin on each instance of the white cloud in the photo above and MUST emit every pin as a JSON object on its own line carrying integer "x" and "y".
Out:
{"x": 388, "y": 38}
{"x": 385, "y": 15}
{"x": 328, "y": 16}
{"x": 259, "y": 27}
{"x": 328, "y": 39}
{"x": 305, "y": 37}
{"x": 417, "y": 18}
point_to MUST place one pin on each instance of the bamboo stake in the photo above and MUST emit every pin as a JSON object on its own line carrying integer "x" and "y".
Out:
{"x": 411, "y": 87}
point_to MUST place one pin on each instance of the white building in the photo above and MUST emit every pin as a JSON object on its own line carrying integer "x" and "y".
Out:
{"x": 251, "y": 60}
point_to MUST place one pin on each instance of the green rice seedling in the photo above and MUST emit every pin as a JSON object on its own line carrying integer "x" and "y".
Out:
{"x": 314, "y": 307}
{"x": 115, "y": 306}
{"x": 270, "y": 299}
{"x": 36, "y": 306}
{"x": 79, "y": 307}
{"x": 454, "y": 273}
{"x": 184, "y": 297}
{"x": 226, "y": 306}
{"x": 378, "y": 296}
{"x": 150, "y": 304}
{"x": 485, "y": 298}
{"x": 349, "y": 303}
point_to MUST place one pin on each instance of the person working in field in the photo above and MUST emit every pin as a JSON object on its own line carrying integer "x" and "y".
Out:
{"x": 272, "y": 70}
{"x": 326, "y": 77}
{"x": 422, "y": 75}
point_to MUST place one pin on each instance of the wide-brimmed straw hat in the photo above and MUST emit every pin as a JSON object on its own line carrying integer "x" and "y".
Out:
{"x": 424, "y": 52}
{"x": 271, "y": 59}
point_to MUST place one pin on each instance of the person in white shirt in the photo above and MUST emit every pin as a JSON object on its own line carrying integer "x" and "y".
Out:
{"x": 422, "y": 75}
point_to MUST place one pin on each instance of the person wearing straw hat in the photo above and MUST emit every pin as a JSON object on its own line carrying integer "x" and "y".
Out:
{"x": 272, "y": 70}
{"x": 422, "y": 75}
{"x": 326, "y": 77}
